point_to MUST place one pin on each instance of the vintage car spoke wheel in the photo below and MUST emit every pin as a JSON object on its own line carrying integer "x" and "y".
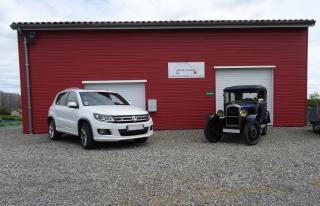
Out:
{"x": 52, "y": 132}
{"x": 252, "y": 133}
{"x": 211, "y": 133}
{"x": 86, "y": 136}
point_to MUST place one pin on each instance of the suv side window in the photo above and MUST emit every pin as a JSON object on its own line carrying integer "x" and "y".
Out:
{"x": 72, "y": 97}
{"x": 62, "y": 99}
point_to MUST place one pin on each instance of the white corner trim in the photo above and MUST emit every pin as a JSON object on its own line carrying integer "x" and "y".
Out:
{"x": 113, "y": 81}
{"x": 246, "y": 67}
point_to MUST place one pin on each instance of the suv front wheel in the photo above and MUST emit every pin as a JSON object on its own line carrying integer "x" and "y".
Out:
{"x": 86, "y": 136}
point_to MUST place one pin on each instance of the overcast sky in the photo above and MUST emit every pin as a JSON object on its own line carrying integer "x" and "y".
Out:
{"x": 120, "y": 10}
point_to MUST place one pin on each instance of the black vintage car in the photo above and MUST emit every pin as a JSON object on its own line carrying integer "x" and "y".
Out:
{"x": 314, "y": 117}
{"x": 245, "y": 112}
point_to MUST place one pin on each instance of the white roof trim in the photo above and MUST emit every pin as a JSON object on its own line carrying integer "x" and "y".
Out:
{"x": 246, "y": 67}
{"x": 113, "y": 81}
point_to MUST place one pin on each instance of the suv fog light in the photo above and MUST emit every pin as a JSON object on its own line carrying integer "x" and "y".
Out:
{"x": 151, "y": 128}
{"x": 104, "y": 131}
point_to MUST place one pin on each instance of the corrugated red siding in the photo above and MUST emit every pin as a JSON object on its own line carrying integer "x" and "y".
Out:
{"x": 61, "y": 59}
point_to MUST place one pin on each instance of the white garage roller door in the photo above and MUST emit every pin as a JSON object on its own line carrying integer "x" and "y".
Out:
{"x": 233, "y": 76}
{"x": 131, "y": 90}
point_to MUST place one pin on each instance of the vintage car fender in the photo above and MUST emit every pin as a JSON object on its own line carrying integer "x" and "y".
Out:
{"x": 216, "y": 121}
{"x": 251, "y": 118}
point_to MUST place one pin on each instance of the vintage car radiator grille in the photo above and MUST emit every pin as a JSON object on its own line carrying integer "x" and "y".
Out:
{"x": 232, "y": 116}
{"x": 131, "y": 118}
{"x": 232, "y": 111}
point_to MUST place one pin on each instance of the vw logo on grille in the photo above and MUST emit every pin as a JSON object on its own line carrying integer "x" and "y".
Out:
{"x": 134, "y": 118}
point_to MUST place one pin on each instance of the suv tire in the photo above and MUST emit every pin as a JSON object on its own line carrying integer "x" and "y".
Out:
{"x": 252, "y": 133}
{"x": 86, "y": 136}
{"x": 211, "y": 133}
{"x": 52, "y": 132}
{"x": 141, "y": 140}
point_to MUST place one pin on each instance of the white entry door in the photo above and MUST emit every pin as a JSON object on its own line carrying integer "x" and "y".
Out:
{"x": 226, "y": 77}
{"x": 133, "y": 91}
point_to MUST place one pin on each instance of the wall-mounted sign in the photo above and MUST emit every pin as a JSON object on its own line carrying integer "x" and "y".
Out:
{"x": 209, "y": 93}
{"x": 186, "y": 70}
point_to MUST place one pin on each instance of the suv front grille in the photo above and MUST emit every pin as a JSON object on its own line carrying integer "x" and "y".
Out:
{"x": 124, "y": 132}
{"x": 131, "y": 118}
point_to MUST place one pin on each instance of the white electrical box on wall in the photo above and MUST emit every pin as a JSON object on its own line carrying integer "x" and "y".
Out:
{"x": 152, "y": 105}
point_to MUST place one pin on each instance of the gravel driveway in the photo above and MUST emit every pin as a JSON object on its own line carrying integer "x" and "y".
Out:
{"x": 173, "y": 168}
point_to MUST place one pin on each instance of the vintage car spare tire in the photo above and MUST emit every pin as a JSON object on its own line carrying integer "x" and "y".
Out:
{"x": 211, "y": 132}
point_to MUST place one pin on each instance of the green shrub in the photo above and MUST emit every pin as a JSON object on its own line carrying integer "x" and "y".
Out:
{"x": 4, "y": 111}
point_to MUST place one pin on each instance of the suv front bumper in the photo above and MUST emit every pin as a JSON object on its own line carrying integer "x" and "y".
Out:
{"x": 119, "y": 131}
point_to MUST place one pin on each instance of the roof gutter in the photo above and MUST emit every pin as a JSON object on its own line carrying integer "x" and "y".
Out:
{"x": 157, "y": 25}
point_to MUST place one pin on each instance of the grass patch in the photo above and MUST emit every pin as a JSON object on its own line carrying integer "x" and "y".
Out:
{"x": 10, "y": 118}
{"x": 6, "y": 124}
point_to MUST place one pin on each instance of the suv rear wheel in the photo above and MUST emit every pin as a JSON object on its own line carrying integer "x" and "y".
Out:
{"x": 86, "y": 136}
{"x": 252, "y": 133}
{"x": 52, "y": 132}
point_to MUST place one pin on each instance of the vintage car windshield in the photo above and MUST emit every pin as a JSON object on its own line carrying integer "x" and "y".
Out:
{"x": 102, "y": 98}
{"x": 240, "y": 96}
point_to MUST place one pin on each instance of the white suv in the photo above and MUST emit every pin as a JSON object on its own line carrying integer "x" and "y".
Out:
{"x": 97, "y": 115}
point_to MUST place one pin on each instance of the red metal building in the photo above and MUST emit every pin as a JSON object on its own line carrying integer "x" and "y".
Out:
{"x": 182, "y": 65}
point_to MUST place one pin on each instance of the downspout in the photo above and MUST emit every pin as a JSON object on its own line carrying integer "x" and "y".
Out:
{"x": 27, "y": 71}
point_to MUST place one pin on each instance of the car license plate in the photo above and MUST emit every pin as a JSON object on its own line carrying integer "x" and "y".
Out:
{"x": 135, "y": 127}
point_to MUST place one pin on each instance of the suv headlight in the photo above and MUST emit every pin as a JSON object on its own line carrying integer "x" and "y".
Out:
{"x": 243, "y": 113}
{"x": 103, "y": 117}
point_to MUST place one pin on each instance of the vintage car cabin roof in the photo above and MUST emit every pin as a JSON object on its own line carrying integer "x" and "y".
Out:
{"x": 244, "y": 87}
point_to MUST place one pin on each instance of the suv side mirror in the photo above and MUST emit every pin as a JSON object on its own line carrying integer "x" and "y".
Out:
{"x": 72, "y": 105}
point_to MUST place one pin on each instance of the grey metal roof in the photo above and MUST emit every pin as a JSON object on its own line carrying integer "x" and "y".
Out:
{"x": 78, "y": 25}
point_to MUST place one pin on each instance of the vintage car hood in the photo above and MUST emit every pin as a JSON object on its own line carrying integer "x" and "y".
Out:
{"x": 247, "y": 105}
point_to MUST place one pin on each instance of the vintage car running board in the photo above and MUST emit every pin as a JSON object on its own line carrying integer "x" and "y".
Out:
{"x": 231, "y": 130}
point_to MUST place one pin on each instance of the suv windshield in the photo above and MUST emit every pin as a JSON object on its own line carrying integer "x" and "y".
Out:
{"x": 241, "y": 95}
{"x": 102, "y": 98}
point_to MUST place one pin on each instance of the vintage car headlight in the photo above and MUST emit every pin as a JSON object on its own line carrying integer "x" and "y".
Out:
{"x": 220, "y": 113}
{"x": 243, "y": 113}
{"x": 103, "y": 117}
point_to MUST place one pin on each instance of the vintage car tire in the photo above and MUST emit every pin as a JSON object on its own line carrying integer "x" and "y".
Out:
{"x": 316, "y": 129}
{"x": 211, "y": 133}
{"x": 252, "y": 133}
{"x": 264, "y": 130}
{"x": 52, "y": 132}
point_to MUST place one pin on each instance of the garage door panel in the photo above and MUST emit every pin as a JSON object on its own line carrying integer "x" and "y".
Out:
{"x": 133, "y": 92}
{"x": 233, "y": 77}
